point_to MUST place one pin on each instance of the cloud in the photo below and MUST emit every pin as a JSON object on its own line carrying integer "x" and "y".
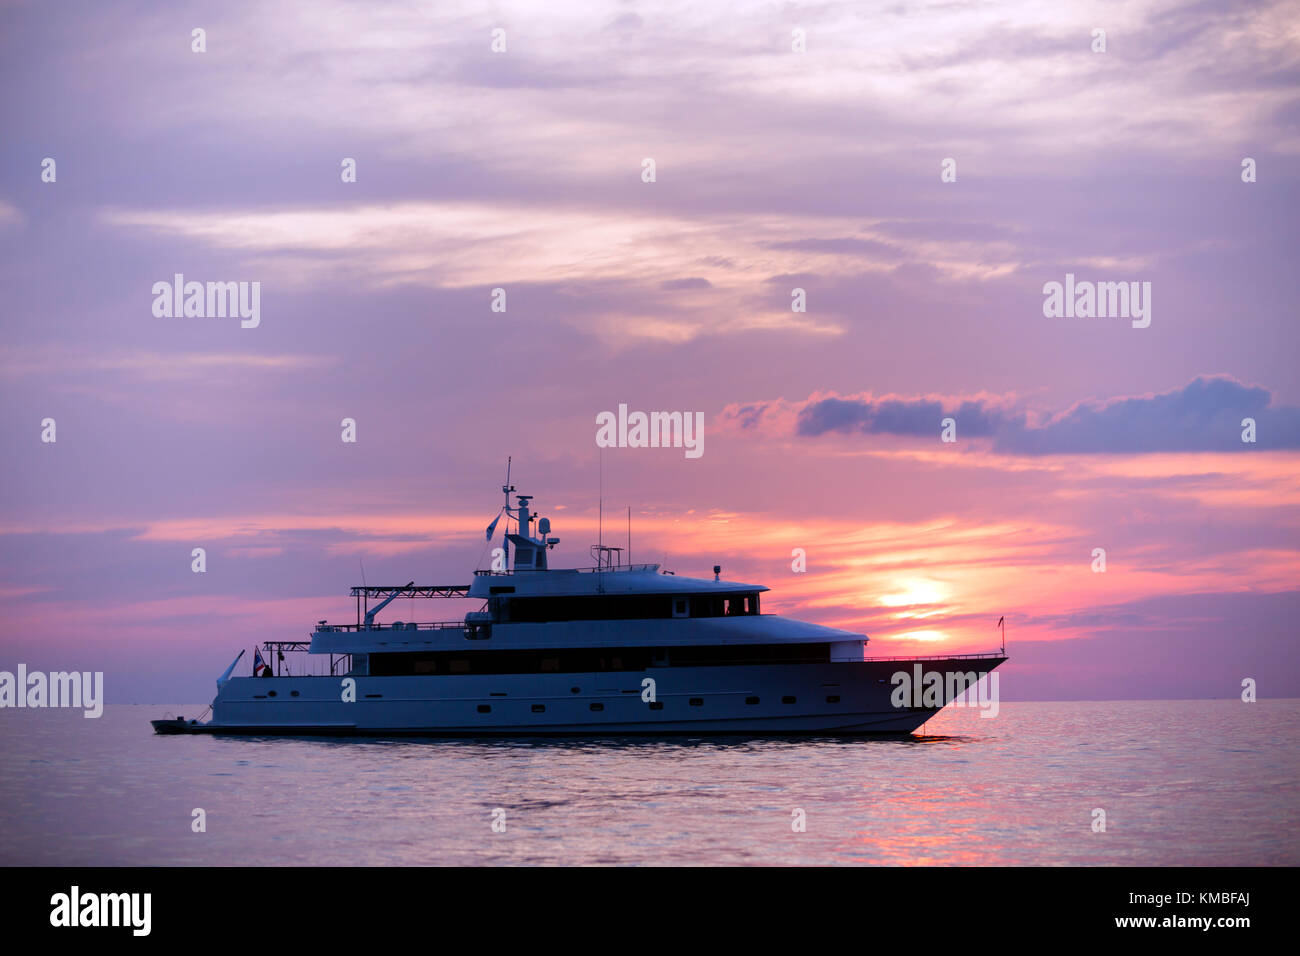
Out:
{"x": 897, "y": 417}
{"x": 10, "y": 215}
{"x": 1207, "y": 414}
{"x": 697, "y": 282}
{"x": 842, "y": 245}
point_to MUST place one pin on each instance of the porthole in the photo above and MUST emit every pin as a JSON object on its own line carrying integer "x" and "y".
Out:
{"x": 293, "y": 693}
{"x": 751, "y": 700}
{"x": 597, "y": 706}
{"x": 270, "y": 693}
{"x": 833, "y": 699}
{"x": 539, "y": 708}
{"x": 485, "y": 708}
{"x": 787, "y": 699}
{"x": 657, "y": 705}
{"x": 575, "y": 690}
{"x": 697, "y": 701}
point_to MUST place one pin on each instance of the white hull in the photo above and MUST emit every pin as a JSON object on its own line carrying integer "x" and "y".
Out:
{"x": 837, "y": 698}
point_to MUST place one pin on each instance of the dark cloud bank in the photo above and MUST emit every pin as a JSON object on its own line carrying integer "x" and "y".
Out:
{"x": 1204, "y": 415}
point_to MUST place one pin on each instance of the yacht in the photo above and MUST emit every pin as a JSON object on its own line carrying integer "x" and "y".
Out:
{"x": 609, "y": 649}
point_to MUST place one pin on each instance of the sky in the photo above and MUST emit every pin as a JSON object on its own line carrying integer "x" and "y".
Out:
{"x": 921, "y": 171}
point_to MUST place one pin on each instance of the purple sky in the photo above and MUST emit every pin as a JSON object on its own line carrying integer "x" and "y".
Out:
{"x": 775, "y": 170}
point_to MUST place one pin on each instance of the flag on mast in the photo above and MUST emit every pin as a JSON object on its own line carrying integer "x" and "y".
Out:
{"x": 493, "y": 526}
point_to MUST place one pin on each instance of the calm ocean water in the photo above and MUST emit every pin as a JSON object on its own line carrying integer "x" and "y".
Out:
{"x": 1182, "y": 782}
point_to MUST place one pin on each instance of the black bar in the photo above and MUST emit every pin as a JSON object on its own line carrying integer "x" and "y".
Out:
{"x": 946, "y": 908}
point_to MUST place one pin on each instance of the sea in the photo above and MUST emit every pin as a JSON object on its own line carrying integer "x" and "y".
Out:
{"x": 1101, "y": 783}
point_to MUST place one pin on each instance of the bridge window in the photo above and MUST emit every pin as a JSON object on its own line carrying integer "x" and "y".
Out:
{"x": 627, "y": 607}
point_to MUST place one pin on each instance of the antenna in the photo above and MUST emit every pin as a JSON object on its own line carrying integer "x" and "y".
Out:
{"x": 505, "y": 538}
{"x": 600, "y": 504}
{"x": 363, "y": 570}
{"x": 629, "y": 537}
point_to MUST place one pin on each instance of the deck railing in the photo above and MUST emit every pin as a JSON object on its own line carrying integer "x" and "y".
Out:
{"x": 395, "y": 626}
{"x": 593, "y": 570}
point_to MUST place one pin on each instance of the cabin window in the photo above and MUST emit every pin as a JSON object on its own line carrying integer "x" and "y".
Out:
{"x": 293, "y": 693}
{"x": 787, "y": 699}
{"x": 656, "y": 705}
{"x": 603, "y": 607}
{"x": 751, "y": 700}
{"x": 485, "y": 708}
{"x": 697, "y": 701}
{"x": 597, "y": 706}
{"x": 539, "y": 708}
{"x": 579, "y": 660}
{"x": 720, "y": 605}
{"x": 833, "y": 699}
{"x": 629, "y": 607}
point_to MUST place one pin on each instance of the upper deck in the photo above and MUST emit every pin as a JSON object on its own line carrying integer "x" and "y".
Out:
{"x": 616, "y": 579}
{"x": 533, "y": 606}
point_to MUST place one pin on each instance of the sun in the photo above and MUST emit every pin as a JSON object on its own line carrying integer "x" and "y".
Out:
{"x": 912, "y": 591}
{"x": 920, "y": 636}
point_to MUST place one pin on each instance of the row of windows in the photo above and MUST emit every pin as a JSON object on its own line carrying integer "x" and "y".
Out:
{"x": 659, "y": 705}
{"x": 629, "y": 607}
{"x": 584, "y": 660}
